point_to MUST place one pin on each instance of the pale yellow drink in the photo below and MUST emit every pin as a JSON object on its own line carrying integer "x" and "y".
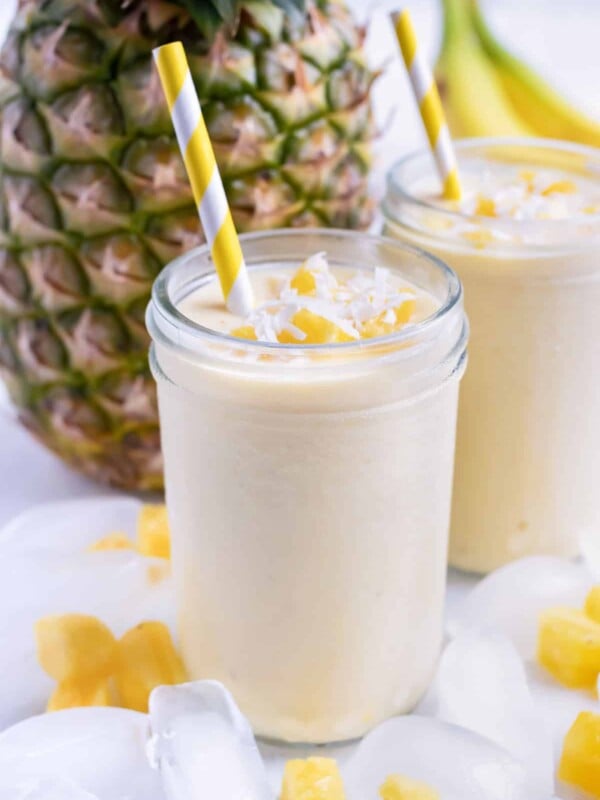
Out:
{"x": 525, "y": 241}
{"x": 309, "y": 490}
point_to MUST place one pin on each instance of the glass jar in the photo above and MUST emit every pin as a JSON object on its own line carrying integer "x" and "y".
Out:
{"x": 308, "y": 490}
{"x": 528, "y": 441}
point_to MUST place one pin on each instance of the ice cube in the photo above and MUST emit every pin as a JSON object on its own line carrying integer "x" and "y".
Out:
{"x": 49, "y": 789}
{"x": 456, "y": 762}
{"x": 69, "y": 526}
{"x": 25, "y": 686}
{"x": 204, "y": 746}
{"x": 102, "y": 751}
{"x": 481, "y": 685}
{"x": 511, "y": 599}
{"x": 116, "y": 586}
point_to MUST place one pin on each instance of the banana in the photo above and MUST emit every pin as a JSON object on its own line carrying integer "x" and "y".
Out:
{"x": 534, "y": 100}
{"x": 473, "y": 95}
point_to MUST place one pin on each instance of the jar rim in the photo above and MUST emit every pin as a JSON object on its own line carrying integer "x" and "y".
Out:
{"x": 399, "y": 195}
{"x": 167, "y": 323}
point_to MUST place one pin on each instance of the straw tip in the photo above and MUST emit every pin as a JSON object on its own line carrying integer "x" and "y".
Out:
{"x": 172, "y": 46}
{"x": 397, "y": 15}
{"x": 452, "y": 186}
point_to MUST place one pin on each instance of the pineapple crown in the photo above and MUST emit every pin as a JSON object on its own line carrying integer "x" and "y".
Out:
{"x": 210, "y": 15}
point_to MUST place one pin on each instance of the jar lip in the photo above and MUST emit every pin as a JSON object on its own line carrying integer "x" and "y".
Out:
{"x": 163, "y": 315}
{"x": 398, "y": 191}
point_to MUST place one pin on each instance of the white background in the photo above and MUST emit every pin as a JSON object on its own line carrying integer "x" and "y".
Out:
{"x": 560, "y": 37}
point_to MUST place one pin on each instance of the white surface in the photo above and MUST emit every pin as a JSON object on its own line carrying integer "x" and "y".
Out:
{"x": 558, "y": 36}
{"x": 98, "y": 751}
{"x": 482, "y": 684}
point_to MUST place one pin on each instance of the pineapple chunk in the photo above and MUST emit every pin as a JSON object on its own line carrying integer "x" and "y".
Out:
{"x": 397, "y": 787}
{"x": 318, "y": 330}
{"x": 153, "y": 538}
{"x": 379, "y": 327}
{"x": 405, "y": 311}
{"x": 580, "y": 760}
{"x": 245, "y": 332}
{"x": 560, "y": 187}
{"x": 592, "y": 604}
{"x": 114, "y": 541}
{"x": 146, "y": 659}
{"x": 376, "y": 327}
{"x": 485, "y": 207}
{"x": 312, "y": 779}
{"x": 76, "y": 693}
{"x": 304, "y": 282}
{"x": 569, "y": 647}
{"x": 75, "y": 647}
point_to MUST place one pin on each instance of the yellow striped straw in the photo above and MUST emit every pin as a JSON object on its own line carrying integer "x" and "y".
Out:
{"x": 207, "y": 186}
{"x": 430, "y": 105}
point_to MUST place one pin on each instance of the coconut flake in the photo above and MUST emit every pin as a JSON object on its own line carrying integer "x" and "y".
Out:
{"x": 363, "y": 297}
{"x": 520, "y": 196}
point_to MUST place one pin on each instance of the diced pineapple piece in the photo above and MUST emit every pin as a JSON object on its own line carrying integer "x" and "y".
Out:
{"x": 318, "y": 330}
{"x": 380, "y": 327}
{"x": 114, "y": 541}
{"x": 397, "y": 787}
{"x": 304, "y": 282}
{"x": 485, "y": 207}
{"x": 580, "y": 760}
{"x": 75, "y": 647}
{"x": 312, "y": 779}
{"x": 560, "y": 187}
{"x": 245, "y": 332}
{"x": 405, "y": 311}
{"x": 592, "y": 604}
{"x": 376, "y": 327}
{"x": 153, "y": 538}
{"x": 569, "y": 647}
{"x": 77, "y": 693}
{"x": 146, "y": 659}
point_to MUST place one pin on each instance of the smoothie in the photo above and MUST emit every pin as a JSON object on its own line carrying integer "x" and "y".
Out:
{"x": 525, "y": 241}
{"x": 309, "y": 453}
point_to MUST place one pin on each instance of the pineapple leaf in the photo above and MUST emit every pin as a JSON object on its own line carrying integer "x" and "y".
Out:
{"x": 205, "y": 15}
{"x": 225, "y": 9}
{"x": 291, "y": 5}
{"x": 210, "y": 15}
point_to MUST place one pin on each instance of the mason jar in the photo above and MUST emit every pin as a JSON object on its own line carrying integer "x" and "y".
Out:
{"x": 308, "y": 490}
{"x": 528, "y": 442}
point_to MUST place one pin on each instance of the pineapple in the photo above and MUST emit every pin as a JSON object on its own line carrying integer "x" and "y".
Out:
{"x": 95, "y": 199}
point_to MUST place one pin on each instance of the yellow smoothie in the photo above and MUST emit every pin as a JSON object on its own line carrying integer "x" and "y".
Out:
{"x": 525, "y": 241}
{"x": 309, "y": 452}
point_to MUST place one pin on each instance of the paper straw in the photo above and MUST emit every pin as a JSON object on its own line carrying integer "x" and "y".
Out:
{"x": 430, "y": 105}
{"x": 207, "y": 186}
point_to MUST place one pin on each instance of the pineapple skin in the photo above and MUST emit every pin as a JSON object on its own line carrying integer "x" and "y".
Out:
{"x": 95, "y": 201}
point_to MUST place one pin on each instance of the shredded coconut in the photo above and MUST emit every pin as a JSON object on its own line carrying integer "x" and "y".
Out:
{"x": 526, "y": 195}
{"x": 366, "y": 296}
